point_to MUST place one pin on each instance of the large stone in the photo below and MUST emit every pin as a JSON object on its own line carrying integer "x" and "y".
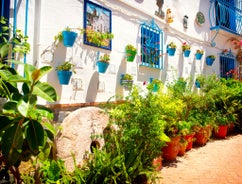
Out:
{"x": 75, "y": 137}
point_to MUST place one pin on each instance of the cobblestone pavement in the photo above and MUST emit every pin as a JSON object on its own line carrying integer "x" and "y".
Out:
{"x": 218, "y": 162}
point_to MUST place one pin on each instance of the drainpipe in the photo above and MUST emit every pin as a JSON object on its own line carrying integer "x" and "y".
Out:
{"x": 26, "y": 24}
{"x": 14, "y": 22}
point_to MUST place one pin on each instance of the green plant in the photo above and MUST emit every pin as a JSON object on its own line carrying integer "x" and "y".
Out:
{"x": 59, "y": 37}
{"x": 66, "y": 66}
{"x": 172, "y": 45}
{"x": 98, "y": 38}
{"x": 130, "y": 48}
{"x": 127, "y": 77}
{"x": 198, "y": 51}
{"x": 105, "y": 58}
{"x": 139, "y": 135}
{"x": 211, "y": 56}
{"x": 26, "y": 130}
{"x": 18, "y": 42}
{"x": 185, "y": 46}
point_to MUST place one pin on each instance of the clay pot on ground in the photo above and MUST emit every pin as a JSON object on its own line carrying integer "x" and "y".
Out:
{"x": 183, "y": 145}
{"x": 189, "y": 139}
{"x": 201, "y": 136}
{"x": 170, "y": 151}
{"x": 221, "y": 131}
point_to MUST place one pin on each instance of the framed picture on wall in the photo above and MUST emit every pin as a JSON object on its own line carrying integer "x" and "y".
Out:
{"x": 97, "y": 25}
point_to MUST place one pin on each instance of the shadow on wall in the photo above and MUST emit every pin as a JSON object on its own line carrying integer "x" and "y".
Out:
{"x": 122, "y": 69}
{"x": 92, "y": 88}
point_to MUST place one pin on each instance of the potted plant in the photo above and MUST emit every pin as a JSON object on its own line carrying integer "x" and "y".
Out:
{"x": 186, "y": 49}
{"x": 199, "y": 54}
{"x": 171, "y": 49}
{"x": 103, "y": 63}
{"x": 130, "y": 52}
{"x": 126, "y": 80}
{"x": 154, "y": 85}
{"x": 67, "y": 36}
{"x": 64, "y": 72}
{"x": 221, "y": 120}
{"x": 210, "y": 59}
{"x": 186, "y": 132}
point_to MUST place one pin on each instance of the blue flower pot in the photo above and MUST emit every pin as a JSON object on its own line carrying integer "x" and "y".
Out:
{"x": 209, "y": 61}
{"x": 171, "y": 51}
{"x": 102, "y": 66}
{"x": 69, "y": 38}
{"x": 64, "y": 77}
{"x": 198, "y": 56}
{"x": 186, "y": 53}
{"x": 197, "y": 84}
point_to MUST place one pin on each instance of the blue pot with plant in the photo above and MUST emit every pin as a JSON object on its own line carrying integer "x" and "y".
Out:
{"x": 210, "y": 59}
{"x": 103, "y": 63}
{"x": 64, "y": 72}
{"x": 171, "y": 49}
{"x": 69, "y": 38}
{"x": 186, "y": 53}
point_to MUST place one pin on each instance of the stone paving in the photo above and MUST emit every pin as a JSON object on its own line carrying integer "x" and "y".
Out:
{"x": 218, "y": 162}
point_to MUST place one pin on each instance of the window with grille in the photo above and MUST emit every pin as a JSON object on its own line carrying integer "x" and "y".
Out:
{"x": 151, "y": 45}
{"x": 227, "y": 66}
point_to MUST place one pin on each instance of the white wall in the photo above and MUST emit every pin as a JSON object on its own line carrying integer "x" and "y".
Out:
{"x": 48, "y": 17}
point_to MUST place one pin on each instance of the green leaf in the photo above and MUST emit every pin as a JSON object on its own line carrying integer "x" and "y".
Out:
{"x": 4, "y": 48}
{"x": 10, "y": 108}
{"x": 12, "y": 142}
{"x": 44, "y": 112}
{"x": 43, "y": 71}
{"x": 35, "y": 136}
{"x": 54, "y": 171}
{"x": 23, "y": 107}
{"x": 45, "y": 91}
{"x": 28, "y": 69}
{"x": 5, "y": 122}
{"x": 17, "y": 78}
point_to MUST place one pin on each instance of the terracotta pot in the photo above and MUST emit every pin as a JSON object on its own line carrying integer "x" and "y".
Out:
{"x": 221, "y": 131}
{"x": 189, "y": 139}
{"x": 157, "y": 163}
{"x": 231, "y": 128}
{"x": 201, "y": 136}
{"x": 170, "y": 151}
{"x": 182, "y": 149}
{"x": 209, "y": 130}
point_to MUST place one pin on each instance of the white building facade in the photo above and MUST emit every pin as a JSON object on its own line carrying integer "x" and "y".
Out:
{"x": 213, "y": 26}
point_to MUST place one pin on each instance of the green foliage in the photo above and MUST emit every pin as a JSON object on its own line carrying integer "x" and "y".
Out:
{"x": 172, "y": 45}
{"x": 66, "y": 66}
{"x": 105, "y": 58}
{"x": 18, "y": 44}
{"x": 26, "y": 130}
{"x": 130, "y": 48}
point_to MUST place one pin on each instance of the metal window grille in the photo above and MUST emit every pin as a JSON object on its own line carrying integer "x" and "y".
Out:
{"x": 151, "y": 45}
{"x": 227, "y": 66}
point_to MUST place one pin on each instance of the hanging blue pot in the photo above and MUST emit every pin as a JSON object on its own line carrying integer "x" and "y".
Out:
{"x": 64, "y": 76}
{"x": 171, "y": 51}
{"x": 186, "y": 53}
{"x": 209, "y": 61}
{"x": 197, "y": 84}
{"x": 69, "y": 38}
{"x": 198, "y": 56}
{"x": 102, "y": 66}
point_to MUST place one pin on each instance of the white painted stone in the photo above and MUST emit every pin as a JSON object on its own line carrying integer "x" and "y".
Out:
{"x": 75, "y": 135}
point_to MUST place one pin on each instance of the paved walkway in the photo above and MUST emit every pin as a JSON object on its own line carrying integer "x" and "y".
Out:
{"x": 218, "y": 162}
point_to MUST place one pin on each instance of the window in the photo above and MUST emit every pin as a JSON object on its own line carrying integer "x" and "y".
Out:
{"x": 227, "y": 66}
{"x": 151, "y": 45}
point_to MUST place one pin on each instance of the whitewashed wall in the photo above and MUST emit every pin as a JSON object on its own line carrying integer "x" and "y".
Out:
{"x": 48, "y": 17}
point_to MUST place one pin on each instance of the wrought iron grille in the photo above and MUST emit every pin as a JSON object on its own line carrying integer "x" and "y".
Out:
{"x": 227, "y": 66}
{"x": 151, "y": 45}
